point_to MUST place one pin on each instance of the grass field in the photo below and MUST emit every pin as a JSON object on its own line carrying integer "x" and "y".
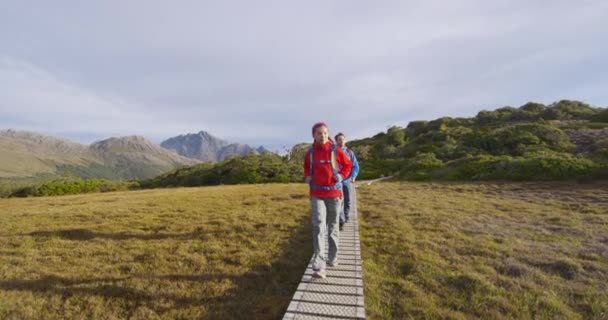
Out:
{"x": 493, "y": 251}
{"x": 436, "y": 251}
{"x": 220, "y": 252}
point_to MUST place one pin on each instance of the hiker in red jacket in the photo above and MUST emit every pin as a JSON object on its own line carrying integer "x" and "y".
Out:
{"x": 325, "y": 166}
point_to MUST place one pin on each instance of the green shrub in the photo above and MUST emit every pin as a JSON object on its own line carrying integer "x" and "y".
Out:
{"x": 253, "y": 168}
{"x": 415, "y": 128}
{"x": 567, "y": 110}
{"x": 533, "y": 107}
{"x": 420, "y": 167}
{"x": 601, "y": 116}
{"x": 68, "y": 186}
{"x": 376, "y": 168}
{"x": 520, "y": 138}
{"x": 533, "y": 166}
{"x": 396, "y": 136}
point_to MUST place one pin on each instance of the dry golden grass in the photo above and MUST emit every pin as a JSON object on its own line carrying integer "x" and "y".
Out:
{"x": 218, "y": 252}
{"x": 493, "y": 251}
{"x": 436, "y": 251}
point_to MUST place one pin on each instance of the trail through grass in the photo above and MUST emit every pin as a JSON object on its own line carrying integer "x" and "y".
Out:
{"x": 430, "y": 251}
{"x": 221, "y": 252}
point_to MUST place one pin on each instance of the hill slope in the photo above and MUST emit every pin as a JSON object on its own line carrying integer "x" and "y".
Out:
{"x": 27, "y": 154}
{"x": 24, "y": 154}
{"x": 568, "y": 139}
{"x": 136, "y": 157}
{"x": 565, "y": 140}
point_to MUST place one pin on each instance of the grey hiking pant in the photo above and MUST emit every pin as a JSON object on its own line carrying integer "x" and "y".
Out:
{"x": 349, "y": 202}
{"x": 324, "y": 220}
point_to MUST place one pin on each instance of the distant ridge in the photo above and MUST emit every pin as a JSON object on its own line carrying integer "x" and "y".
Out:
{"x": 25, "y": 154}
{"x": 205, "y": 147}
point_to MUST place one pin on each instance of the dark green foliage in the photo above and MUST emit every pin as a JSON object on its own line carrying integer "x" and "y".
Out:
{"x": 520, "y": 138}
{"x": 567, "y": 110}
{"x": 529, "y": 112}
{"x": 253, "y": 168}
{"x": 66, "y": 186}
{"x": 507, "y": 143}
{"x": 10, "y": 185}
{"x": 377, "y": 168}
{"x": 396, "y": 136}
{"x": 534, "y": 166}
{"x": 600, "y": 157}
{"x": 601, "y": 116}
{"x": 415, "y": 128}
{"x": 421, "y": 166}
{"x": 533, "y": 107}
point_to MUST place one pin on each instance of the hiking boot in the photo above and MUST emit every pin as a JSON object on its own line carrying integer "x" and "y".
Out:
{"x": 341, "y": 226}
{"x": 333, "y": 263}
{"x": 319, "y": 274}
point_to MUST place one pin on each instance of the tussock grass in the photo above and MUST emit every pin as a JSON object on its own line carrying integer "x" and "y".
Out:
{"x": 430, "y": 250}
{"x": 493, "y": 251}
{"x": 228, "y": 252}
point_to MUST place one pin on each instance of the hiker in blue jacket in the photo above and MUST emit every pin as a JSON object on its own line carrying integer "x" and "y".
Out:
{"x": 349, "y": 201}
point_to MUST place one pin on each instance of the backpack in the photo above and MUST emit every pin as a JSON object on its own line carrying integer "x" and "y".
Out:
{"x": 332, "y": 162}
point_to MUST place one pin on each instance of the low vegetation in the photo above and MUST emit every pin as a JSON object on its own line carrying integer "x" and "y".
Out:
{"x": 562, "y": 141}
{"x": 493, "y": 251}
{"x": 567, "y": 140}
{"x": 253, "y": 168}
{"x": 430, "y": 250}
{"x": 228, "y": 252}
{"x": 67, "y": 186}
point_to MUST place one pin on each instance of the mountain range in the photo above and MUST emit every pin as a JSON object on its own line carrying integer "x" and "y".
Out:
{"x": 205, "y": 147}
{"x": 25, "y": 154}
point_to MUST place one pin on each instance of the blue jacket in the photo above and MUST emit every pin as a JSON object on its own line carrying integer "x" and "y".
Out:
{"x": 354, "y": 171}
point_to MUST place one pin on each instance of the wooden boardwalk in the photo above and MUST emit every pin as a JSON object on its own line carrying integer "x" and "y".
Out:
{"x": 340, "y": 295}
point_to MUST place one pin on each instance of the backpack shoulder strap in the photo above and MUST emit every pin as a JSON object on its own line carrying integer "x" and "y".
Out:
{"x": 310, "y": 152}
{"x": 333, "y": 159}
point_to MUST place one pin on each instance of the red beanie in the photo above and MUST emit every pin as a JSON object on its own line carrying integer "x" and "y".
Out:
{"x": 316, "y": 125}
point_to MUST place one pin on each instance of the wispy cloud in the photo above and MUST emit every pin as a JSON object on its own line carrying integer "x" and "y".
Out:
{"x": 262, "y": 73}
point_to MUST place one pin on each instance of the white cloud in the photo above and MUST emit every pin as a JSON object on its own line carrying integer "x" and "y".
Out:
{"x": 263, "y": 72}
{"x": 36, "y": 100}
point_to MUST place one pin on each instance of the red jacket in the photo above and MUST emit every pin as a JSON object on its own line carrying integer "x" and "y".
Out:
{"x": 322, "y": 172}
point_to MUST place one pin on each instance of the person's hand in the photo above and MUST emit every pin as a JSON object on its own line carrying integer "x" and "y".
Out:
{"x": 353, "y": 180}
{"x": 308, "y": 179}
{"x": 337, "y": 179}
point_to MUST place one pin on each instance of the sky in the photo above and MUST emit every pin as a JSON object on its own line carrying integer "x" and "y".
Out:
{"x": 263, "y": 72}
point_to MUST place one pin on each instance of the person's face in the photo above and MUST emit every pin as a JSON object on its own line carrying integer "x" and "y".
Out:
{"x": 321, "y": 134}
{"x": 340, "y": 140}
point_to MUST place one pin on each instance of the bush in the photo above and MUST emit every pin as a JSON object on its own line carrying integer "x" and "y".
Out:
{"x": 421, "y": 166}
{"x": 396, "y": 136}
{"x": 533, "y": 107}
{"x": 253, "y": 168}
{"x": 567, "y": 110}
{"x": 377, "y": 168}
{"x": 415, "y": 128}
{"x": 534, "y": 166}
{"x": 68, "y": 186}
{"x": 601, "y": 116}
{"x": 520, "y": 138}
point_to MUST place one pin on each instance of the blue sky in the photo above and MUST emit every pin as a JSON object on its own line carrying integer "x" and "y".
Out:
{"x": 262, "y": 72}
